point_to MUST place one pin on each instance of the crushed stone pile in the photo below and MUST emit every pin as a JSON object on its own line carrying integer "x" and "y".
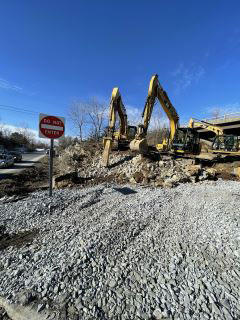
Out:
{"x": 125, "y": 252}
{"x": 127, "y": 167}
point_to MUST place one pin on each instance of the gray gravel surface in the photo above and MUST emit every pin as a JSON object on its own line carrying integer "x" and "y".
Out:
{"x": 124, "y": 252}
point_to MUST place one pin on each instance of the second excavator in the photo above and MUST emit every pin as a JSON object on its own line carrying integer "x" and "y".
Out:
{"x": 222, "y": 143}
{"x": 117, "y": 139}
{"x": 180, "y": 140}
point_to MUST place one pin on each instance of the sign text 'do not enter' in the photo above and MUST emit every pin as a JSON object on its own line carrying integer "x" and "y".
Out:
{"x": 51, "y": 127}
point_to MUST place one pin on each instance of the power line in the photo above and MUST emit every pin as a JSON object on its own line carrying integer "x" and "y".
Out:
{"x": 22, "y": 110}
{"x": 17, "y": 109}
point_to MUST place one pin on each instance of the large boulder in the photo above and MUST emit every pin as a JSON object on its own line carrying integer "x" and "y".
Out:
{"x": 193, "y": 169}
{"x": 236, "y": 172}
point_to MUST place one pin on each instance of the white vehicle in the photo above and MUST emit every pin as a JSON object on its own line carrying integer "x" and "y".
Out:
{"x": 6, "y": 160}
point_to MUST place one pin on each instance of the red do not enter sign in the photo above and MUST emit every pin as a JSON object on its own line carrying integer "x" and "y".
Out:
{"x": 51, "y": 127}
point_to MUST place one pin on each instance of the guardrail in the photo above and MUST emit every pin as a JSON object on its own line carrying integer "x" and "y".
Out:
{"x": 225, "y": 116}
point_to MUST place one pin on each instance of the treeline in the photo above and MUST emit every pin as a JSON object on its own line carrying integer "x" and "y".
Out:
{"x": 23, "y": 138}
{"x": 90, "y": 119}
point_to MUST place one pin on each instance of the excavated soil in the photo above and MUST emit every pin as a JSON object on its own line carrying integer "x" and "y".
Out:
{"x": 82, "y": 164}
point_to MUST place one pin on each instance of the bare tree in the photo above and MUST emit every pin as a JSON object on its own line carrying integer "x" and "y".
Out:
{"x": 157, "y": 128}
{"x": 66, "y": 141}
{"x": 97, "y": 118}
{"x": 78, "y": 115}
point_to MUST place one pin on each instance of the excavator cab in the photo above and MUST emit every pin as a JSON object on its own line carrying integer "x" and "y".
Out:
{"x": 122, "y": 142}
{"x": 229, "y": 143}
{"x": 119, "y": 141}
{"x": 132, "y": 130}
{"x": 186, "y": 140}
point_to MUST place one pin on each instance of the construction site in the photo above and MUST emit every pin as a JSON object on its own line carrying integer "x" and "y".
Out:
{"x": 120, "y": 160}
{"x": 134, "y": 230}
{"x": 200, "y": 150}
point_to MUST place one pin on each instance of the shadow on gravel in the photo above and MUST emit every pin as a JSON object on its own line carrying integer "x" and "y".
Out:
{"x": 126, "y": 191}
{"x": 13, "y": 198}
{"x": 120, "y": 162}
{"x": 17, "y": 239}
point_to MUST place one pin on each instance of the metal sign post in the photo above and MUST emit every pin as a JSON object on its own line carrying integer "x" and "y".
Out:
{"x": 51, "y": 127}
{"x": 51, "y": 167}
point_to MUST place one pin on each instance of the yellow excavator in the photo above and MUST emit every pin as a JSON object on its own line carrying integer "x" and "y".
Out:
{"x": 180, "y": 140}
{"x": 117, "y": 139}
{"x": 222, "y": 143}
{"x": 194, "y": 123}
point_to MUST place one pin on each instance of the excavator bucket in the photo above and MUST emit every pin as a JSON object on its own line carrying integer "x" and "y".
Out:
{"x": 106, "y": 152}
{"x": 140, "y": 146}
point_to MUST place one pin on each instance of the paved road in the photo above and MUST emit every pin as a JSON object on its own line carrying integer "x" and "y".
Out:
{"x": 29, "y": 160}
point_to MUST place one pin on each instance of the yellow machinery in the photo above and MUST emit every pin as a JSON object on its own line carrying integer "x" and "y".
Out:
{"x": 181, "y": 140}
{"x": 194, "y": 123}
{"x": 155, "y": 91}
{"x": 119, "y": 139}
{"x": 222, "y": 143}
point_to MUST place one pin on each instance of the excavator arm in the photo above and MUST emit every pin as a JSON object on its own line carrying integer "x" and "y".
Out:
{"x": 169, "y": 110}
{"x": 150, "y": 102}
{"x": 155, "y": 91}
{"x": 194, "y": 123}
{"x": 116, "y": 107}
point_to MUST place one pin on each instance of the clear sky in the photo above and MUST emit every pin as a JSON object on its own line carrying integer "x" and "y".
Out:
{"x": 55, "y": 51}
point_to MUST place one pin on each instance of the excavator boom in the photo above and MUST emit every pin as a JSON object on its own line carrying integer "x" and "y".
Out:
{"x": 169, "y": 110}
{"x": 155, "y": 91}
{"x": 194, "y": 123}
{"x": 123, "y": 134}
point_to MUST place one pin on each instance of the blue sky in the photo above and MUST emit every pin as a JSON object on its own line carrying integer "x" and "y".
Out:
{"x": 53, "y": 52}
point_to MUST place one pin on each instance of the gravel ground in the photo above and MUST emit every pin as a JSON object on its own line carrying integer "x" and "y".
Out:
{"x": 124, "y": 252}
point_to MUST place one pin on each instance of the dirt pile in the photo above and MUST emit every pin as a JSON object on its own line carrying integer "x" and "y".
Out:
{"x": 228, "y": 171}
{"x": 85, "y": 161}
{"x": 77, "y": 156}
